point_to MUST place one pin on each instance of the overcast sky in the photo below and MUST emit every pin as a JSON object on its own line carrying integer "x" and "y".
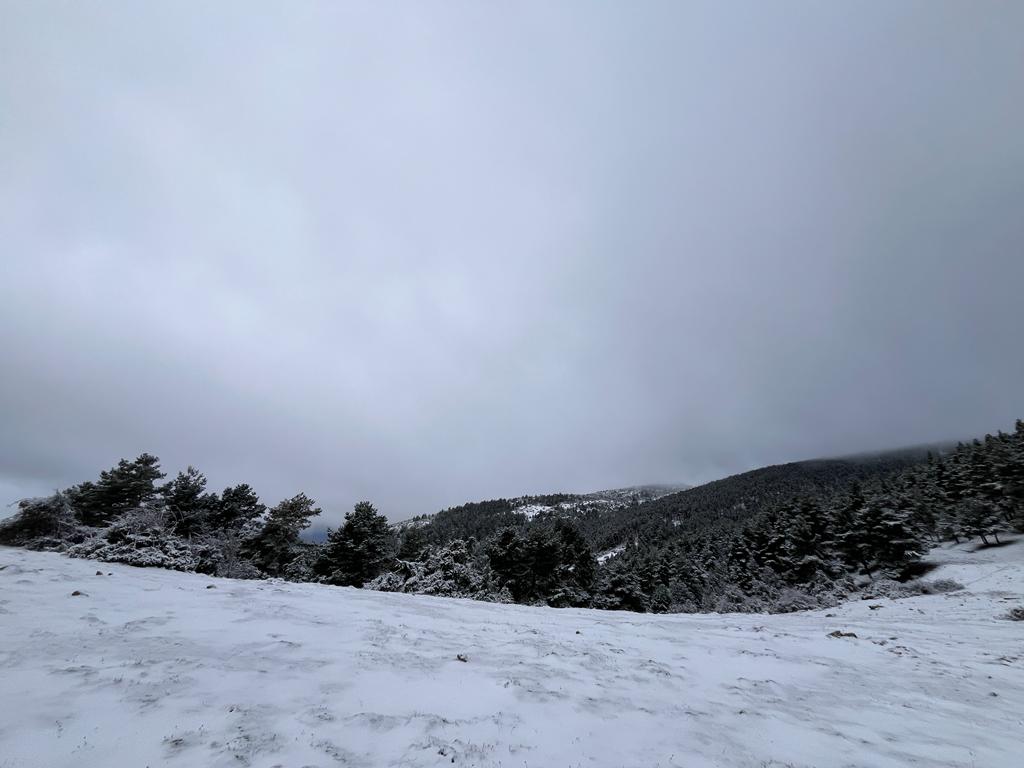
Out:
{"x": 425, "y": 253}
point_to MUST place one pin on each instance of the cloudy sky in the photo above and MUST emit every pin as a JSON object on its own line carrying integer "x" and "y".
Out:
{"x": 424, "y": 253}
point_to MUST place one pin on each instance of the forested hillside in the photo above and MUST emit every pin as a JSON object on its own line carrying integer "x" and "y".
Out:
{"x": 873, "y": 524}
{"x": 608, "y": 519}
{"x": 733, "y": 500}
{"x": 481, "y": 519}
{"x": 779, "y": 538}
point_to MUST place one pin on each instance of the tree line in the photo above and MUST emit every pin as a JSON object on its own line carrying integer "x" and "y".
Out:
{"x": 812, "y": 549}
{"x": 774, "y": 550}
{"x": 129, "y": 516}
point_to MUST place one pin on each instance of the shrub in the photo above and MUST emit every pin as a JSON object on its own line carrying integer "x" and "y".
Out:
{"x": 40, "y": 523}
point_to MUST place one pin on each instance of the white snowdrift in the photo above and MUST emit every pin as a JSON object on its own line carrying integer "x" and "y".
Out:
{"x": 152, "y": 668}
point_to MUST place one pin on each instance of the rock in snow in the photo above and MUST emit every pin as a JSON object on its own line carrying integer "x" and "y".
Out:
{"x": 154, "y": 669}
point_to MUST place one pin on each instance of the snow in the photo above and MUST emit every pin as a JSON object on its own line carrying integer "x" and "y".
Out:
{"x": 607, "y": 555}
{"x": 530, "y": 511}
{"x": 416, "y": 522}
{"x": 151, "y": 667}
{"x": 617, "y": 498}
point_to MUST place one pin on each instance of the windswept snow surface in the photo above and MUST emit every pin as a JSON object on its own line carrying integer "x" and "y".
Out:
{"x": 152, "y": 668}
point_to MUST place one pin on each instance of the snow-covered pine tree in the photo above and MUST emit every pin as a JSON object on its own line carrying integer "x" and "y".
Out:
{"x": 276, "y": 545}
{"x": 890, "y": 543}
{"x": 238, "y": 506}
{"x": 187, "y": 502}
{"x": 620, "y": 590}
{"x": 127, "y": 486}
{"x": 40, "y": 522}
{"x": 356, "y": 552}
{"x": 508, "y": 556}
{"x": 980, "y": 517}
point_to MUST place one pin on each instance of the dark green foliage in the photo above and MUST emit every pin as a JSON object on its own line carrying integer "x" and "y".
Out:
{"x": 727, "y": 504}
{"x": 358, "y": 551}
{"x": 412, "y": 543}
{"x": 238, "y": 506}
{"x": 549, "y": 560}
{"x": 510, "y": 560}
{"x": 576, "y": 563}
{"x": 980, "y": 517}
{"x": 482, "y": 519}
{"x": 127, "y": 486}
{"x": 888, "y": 541}
{"x": 620, "y": 590}
{"x": 293, "y": 515}
{"x": 188, "y": 504}
{"x": 278, "y": 544}
{"x": 1009, "y": 469}
{"x": 661, "y": 599}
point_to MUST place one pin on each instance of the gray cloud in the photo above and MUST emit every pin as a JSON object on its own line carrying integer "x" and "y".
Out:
{"x": 426, "y": 253}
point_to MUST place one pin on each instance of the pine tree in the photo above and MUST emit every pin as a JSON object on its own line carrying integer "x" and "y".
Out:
{"x": 807, "y": 535}
{"x": 543, "y": 556}
{"x": 1007, "y": 488}
{"x": 1013, "y": 484}
{"x": 980, "y": 517}
{"x": 238, "y": 506}
{"x": 620, "y": 591}
{"x": 740, "y": 556}
{"x": 412, "y": 543}
{"x": 188, "y": 503}
{"x": 577, "y": 564}
{"x": 508, "y": 557}
{"x": 889, "y": 539}
{"x": 661, "y": 600}
{"x": 849, "y": 535}
{"x": 358, "y": 551}
{"x": 276, "y": 544}
{"x": 127, "y": 486}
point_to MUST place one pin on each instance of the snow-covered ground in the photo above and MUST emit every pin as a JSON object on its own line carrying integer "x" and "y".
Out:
{"x": 154, "y": 668}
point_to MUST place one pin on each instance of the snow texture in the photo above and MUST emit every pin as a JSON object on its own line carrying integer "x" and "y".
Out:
{"x": 148, "y": 667}
{"x": 604, "y": 557}
{"x": 530, "y": 511}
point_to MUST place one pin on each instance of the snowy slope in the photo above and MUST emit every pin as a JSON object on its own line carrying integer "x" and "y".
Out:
{"x": 152, "y": 668}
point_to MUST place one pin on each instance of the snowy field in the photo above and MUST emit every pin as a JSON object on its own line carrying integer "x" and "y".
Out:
{"x": 154, "y": 668}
